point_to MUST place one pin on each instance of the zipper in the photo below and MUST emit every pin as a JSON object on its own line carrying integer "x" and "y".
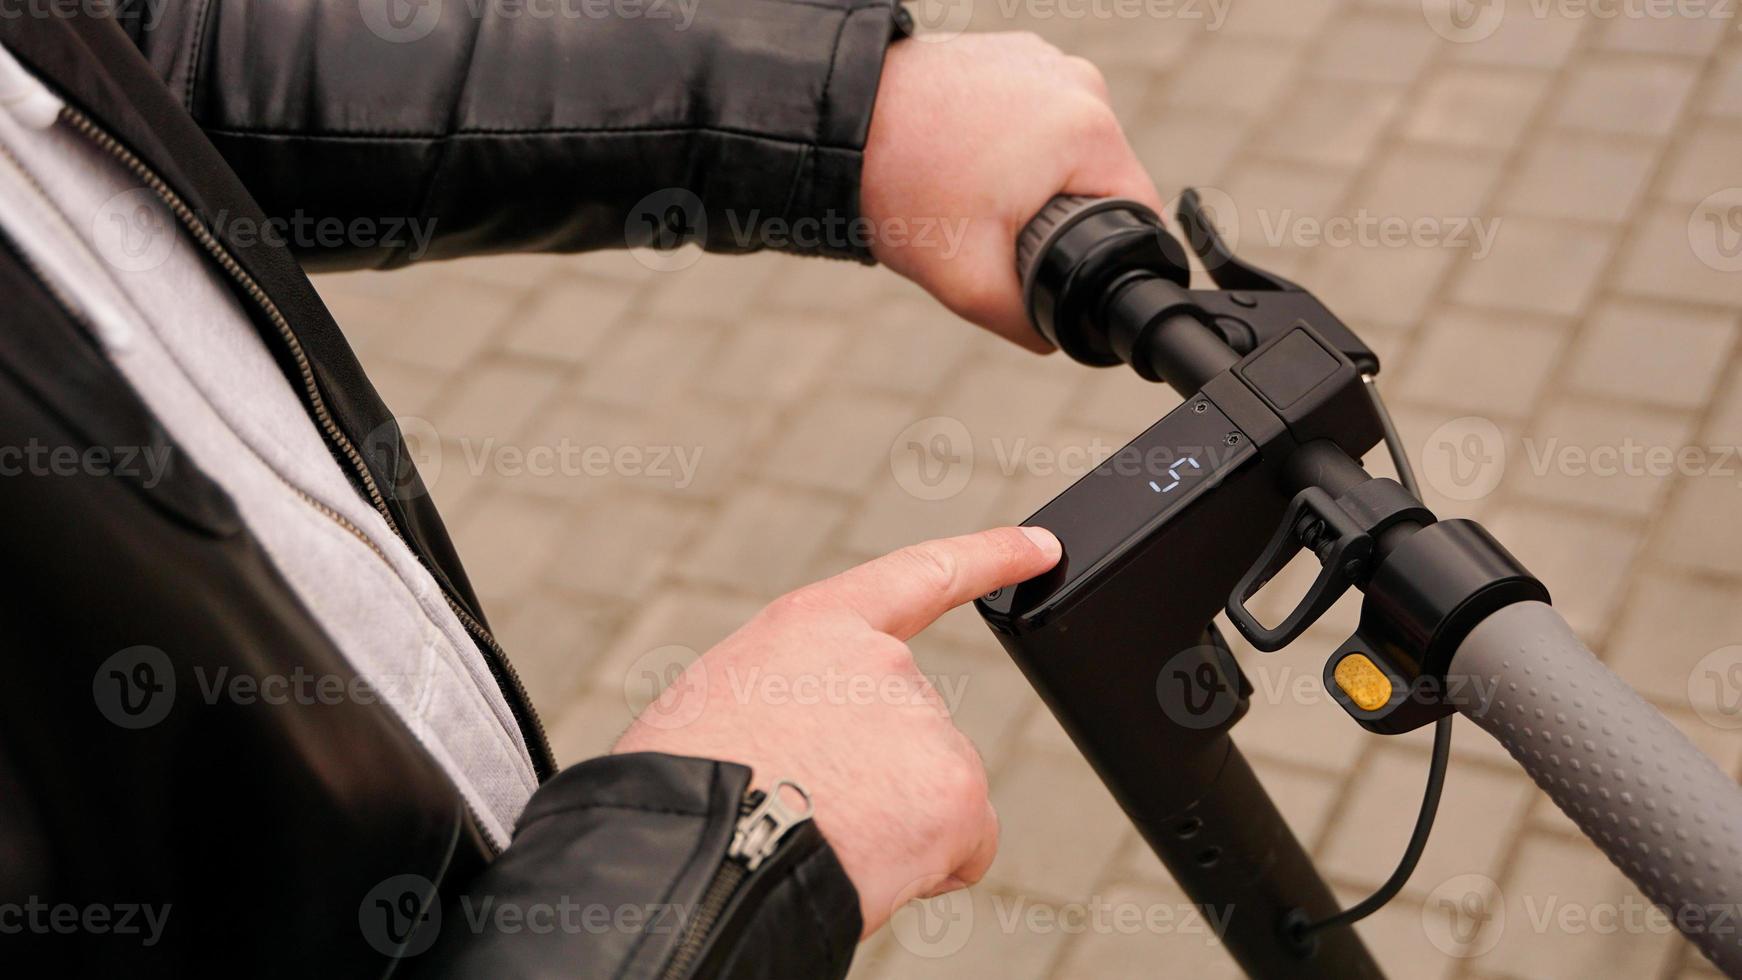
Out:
{"x": 76, "y": 313}
{"x": 519, "y": 702}
{"x": 764, "y": 823}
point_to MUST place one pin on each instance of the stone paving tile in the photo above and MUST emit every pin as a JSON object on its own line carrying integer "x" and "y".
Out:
{"x": 1477, "y": 107}
{"x": 1597, "y": 455}
{"x": 983, "y": 932}
{"x": 1478, "y": 815}
{"x": 1704, "y": 164}
{"x": 1625, "y": 96}
{"x": 1580, "y": 177}
{"x": 1684, "y": 255}
{"x": 1331, "y": 124}
{"x": 762, "y": 539}
{"x": 1586, "y": 558}
{"x": 1489, "y": 364}
{"x": 1649, "y": 353}
{"x": 1231, "y": 74}
{"x": 1420, "y": 181}
{"x": 1549, "y": 885}
{"x": 1520, "y": 38}
{"x": 1537, "y": 267}
{"x": 620, "y": 546}
{"x": 1724, "y": 91}
{"x": 1189, "y": 148}
{"x": 1060, "y": 829}
{"x": 497, "y": 395}
{"x": 568, "y": 321}
{"x": 1684, "y": 35}
{"x": 1607, "y": 312}
{"x": 1373, "y": 49}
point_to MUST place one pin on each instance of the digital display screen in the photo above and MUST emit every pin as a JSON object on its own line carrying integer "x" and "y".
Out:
{"x": 1137, "y": 488}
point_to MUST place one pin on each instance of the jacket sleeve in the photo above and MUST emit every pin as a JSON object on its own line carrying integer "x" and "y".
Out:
{"x": 616, "y": 870}
{"x": 380, "y": 132}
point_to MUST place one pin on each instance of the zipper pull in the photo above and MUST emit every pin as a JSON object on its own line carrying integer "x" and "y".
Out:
{"x": 760, "y": 831}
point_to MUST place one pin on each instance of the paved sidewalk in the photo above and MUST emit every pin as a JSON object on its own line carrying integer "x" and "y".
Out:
{"x": 1533, "y": 212}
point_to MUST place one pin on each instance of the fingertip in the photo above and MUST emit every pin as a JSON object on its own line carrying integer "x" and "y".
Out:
{"x": 1046, "y": 542}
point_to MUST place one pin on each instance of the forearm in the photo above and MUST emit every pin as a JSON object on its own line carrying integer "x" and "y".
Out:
{"x": 486, "y": 131}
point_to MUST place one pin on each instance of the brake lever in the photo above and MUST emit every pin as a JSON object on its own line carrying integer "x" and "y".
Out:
{"x": 1226, "y": 269}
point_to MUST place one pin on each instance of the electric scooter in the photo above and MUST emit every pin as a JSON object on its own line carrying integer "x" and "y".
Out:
{"x": 1194, "y": 516}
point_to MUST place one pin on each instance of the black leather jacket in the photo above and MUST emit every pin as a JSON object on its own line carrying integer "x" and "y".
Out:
{"x": 321, "y": 840}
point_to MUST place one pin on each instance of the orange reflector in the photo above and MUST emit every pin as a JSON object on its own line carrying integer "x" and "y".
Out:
{"x": 1363, "y": 682}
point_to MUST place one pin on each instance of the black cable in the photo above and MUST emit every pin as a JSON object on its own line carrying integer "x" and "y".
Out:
{"x": 1442, "y": 751}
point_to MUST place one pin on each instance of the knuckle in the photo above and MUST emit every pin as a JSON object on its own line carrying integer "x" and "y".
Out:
{"x": 1089, "y": 73}
{"x": 888, "y": 655}
{"x": 934, "y": 565}
{"x": 799, "y": 604}
{"x": 965, "y": 785}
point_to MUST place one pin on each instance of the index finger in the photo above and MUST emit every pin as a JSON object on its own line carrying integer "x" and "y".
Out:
{"x": 905, "y": 591}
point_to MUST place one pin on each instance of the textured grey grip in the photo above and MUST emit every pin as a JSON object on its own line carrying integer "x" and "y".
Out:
{"x": 1662, "y": 811}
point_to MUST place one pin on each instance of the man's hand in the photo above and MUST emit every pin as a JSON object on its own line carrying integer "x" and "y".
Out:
{"x": 979, "y": 132}
{"x": 899, "y": 792}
